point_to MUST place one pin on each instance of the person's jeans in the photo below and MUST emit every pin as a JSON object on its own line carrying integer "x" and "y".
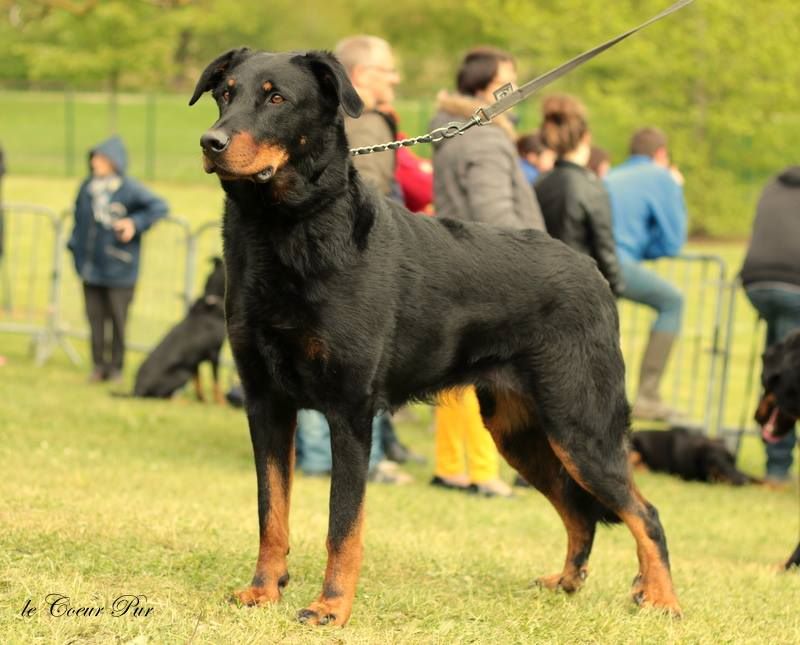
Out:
{"x": 780, "y": 309}
{"x": 313, "y": 443}
{"x": 648, "y": 288}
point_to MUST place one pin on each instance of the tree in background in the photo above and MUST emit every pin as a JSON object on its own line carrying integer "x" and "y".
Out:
{"x": 720, "y": 77}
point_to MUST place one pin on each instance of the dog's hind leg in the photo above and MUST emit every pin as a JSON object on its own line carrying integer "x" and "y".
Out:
{"x": 351, "y": 440}
{"x": 272, "y": 420}
{"x": 513, "y": 425}
{"x": 599, "y": 463}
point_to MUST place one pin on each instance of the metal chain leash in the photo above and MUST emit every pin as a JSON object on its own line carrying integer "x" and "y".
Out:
{"x": 448, "y": 131}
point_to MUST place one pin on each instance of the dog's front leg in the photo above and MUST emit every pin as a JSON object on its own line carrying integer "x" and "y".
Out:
{"x": 272, "y": 422}
{"x": 350, "y": 443}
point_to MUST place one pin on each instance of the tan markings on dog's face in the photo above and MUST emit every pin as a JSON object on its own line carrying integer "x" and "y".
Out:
{"x": 267, "y": 86}
{"x": 244, "y": 157}
{"x": 231, "y": 82}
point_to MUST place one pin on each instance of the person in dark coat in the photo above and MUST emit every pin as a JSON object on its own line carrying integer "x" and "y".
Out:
{"x": 771, "y": 278}
{"x": 112, "y": 212}
{"x": 574, "y": 203}
{"x": 477, "y": 177}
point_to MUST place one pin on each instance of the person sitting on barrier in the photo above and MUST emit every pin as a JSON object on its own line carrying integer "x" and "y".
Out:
{"x": 112, "y": 211}
{"x": 574, "y": 202}
{"x": 649, "y": 221}
{"x": 771, "y": 278}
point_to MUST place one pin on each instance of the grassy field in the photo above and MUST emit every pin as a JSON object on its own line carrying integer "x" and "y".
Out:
{"x": 102, "y": 497}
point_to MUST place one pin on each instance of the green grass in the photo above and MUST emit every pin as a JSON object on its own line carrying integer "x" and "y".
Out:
{"x": 101, "y": 497}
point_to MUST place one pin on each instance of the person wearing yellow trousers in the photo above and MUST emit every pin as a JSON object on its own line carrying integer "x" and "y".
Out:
{"x": 466, "y": 457}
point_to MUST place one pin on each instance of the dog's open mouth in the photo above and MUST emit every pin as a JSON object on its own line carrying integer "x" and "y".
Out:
{"x": 775, "y": 423}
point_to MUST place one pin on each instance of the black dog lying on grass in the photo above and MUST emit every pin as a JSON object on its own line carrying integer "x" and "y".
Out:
{"x": 197, "y": 338}
{"x": 341, "y": 301}
{"x": 779, "y": 408}
{"x": 687, "y": 454}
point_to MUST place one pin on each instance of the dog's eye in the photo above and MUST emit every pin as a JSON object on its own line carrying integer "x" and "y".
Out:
{"x": 276, "y": 99}
{"x": 226, "y": 96}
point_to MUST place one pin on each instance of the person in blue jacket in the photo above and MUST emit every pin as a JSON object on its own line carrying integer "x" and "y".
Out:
{"x": 649, "y": 221}
{"x": 112, "y": 211}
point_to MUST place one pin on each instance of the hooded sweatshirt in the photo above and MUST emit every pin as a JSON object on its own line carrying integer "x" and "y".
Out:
{"x": 100, "y": 258}
{"x": 476, "y": 175}
{"x": 774, "y": 251}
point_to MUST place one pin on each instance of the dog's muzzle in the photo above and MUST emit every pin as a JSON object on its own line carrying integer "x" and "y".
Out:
{"x": 238, "y": 156}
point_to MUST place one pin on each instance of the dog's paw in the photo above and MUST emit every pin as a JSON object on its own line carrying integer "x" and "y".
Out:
{"x": 654, "y": 597}
{"x": 570, "y": 583}
{"x": 257, "y": 596}
{"x": 324, "y": 612}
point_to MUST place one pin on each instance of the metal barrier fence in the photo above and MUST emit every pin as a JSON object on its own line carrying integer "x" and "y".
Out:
{"x": 694, "y": 381}
{"x": 41, "y": 296}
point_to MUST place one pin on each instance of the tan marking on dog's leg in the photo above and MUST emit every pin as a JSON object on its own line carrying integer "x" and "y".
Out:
{"x": 653, "y": 586}
{"x": 271, "y": 571}
{"x": 335, "y": 603}
{"x": 198, "y": 386}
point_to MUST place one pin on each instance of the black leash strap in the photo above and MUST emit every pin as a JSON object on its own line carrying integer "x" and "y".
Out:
{"x": 506, "y": 97}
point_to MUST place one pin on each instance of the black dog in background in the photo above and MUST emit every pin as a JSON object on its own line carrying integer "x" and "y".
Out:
{"x": 197, "y": 338}
{"x": 779, "y": 407}
{"x": 340, "y": 301}
{"x": 687, "y": 454}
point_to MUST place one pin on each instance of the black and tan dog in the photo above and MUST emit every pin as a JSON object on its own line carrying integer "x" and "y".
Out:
{"x": 687, "y": 454}
{"x": 779, "y": 408}
{"x": 195, "y": 339}
{"x": 340, "y": 301}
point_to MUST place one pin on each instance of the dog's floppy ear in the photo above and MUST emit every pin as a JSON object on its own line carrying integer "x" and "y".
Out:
{"x": 333, "y": 78}
{"x": 216, "y": 68}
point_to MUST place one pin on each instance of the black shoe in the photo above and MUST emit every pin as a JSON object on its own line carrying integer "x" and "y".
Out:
{"x": 443, "y": 483}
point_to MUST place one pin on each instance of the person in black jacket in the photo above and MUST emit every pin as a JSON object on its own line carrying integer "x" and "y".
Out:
{"x": 574, "y": 203}
{"x": 771, "y": 278}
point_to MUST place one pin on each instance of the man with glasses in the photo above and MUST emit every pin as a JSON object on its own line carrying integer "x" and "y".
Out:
{"x": 370, "y": 64}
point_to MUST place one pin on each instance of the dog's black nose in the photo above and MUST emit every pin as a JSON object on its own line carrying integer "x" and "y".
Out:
{"x": 214, "y": 141}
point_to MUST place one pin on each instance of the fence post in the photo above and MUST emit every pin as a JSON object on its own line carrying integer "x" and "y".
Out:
{"x": 69, "y": 132}
{"x": 150, "y": 137}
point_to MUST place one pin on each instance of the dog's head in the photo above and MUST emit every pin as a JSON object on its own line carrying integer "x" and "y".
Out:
{"x": 273, "y": 109}
{"x": 779, "y": 407}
